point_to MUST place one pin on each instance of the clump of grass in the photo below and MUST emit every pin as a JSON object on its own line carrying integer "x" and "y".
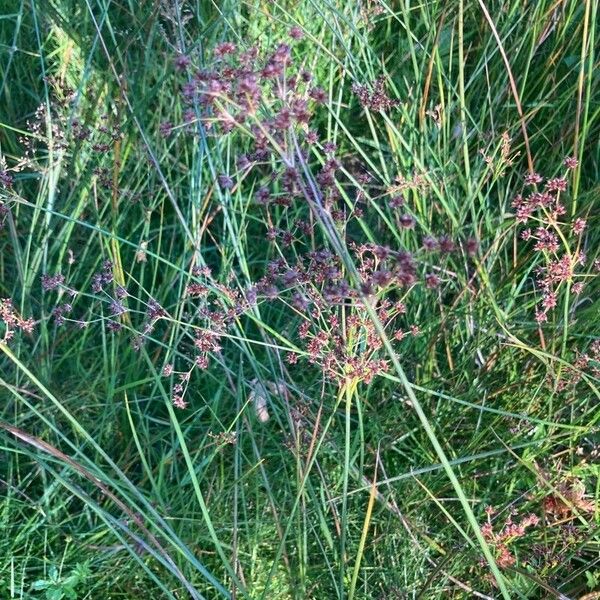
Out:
{"x": 287, "y": 310}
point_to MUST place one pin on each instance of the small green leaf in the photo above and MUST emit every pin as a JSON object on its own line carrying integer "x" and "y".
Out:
{"x": 70, "y": 593}
{"x": 82, "y": 570}
{"x": 54, "y": 593}
{"x": 571, "y": 60}
{"x": 591, "y": 580}
{"x": 40, "y": 584}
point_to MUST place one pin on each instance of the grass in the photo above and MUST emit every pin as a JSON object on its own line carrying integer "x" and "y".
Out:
{"x": 294, "y": 471}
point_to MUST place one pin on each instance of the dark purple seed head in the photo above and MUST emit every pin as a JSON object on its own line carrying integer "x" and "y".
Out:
{"x": 225, "y": 181}
{"x": 312, "y": 137}
{"x": 446, "y": 245}
{"x": 6, "y": 179}
{"x": 182, "y": 62}
{"x": 432, "y": 281}
{"x": 51, "y": 282}
{"x": 382, "y": 252}
{"x": 114, "y": 326}
{"x": 117, "y": 308}
{"x": 165, "y": 129}
{"x": 396, "y": 202}
{"x": 318, "y": 95}
{"x": 406, "y": 221}
{"x": 381, "y": 278}
{"x": 263, "y": 195}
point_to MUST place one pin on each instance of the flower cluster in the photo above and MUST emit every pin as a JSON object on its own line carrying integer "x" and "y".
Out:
{"x": 336, "y": 331}
{"x": 555, "y": 237}
{"x": 586, "y": 363}
{"x": 6, "y": 178}
{"x": 507, "y": 535}
{"x": 103, "y": 278}
{"x": 288, "y": 170}
{"x": 376, "y": 99}
{"x": 13, "y": 321}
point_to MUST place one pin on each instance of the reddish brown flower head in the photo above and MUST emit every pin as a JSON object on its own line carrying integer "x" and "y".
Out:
{"x": 179, "y": 402}
{"x": 446, "y": 245}
{"x": 533, "y": 178}
{"x": 165, "y": 129}
{"x": 559, "y": 184}
{"x": 318, "y": 94}
{"x": 224, "y": 49}
{"x": 396, "y": 202}
{"x": 432, "y": 281}
{"x": 296, "y": 33}
{"x": 571, "y": 162}
{"x": 578, "y": 226}
{"x": 201, "y": 361}
{"x": 471, "y": 246}
{"x": 376, "y": 99}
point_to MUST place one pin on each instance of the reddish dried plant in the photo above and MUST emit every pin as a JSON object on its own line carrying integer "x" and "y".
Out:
{"x": 501, "y": 539}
